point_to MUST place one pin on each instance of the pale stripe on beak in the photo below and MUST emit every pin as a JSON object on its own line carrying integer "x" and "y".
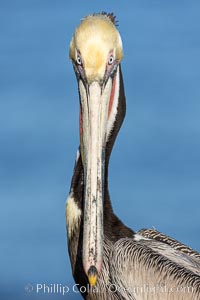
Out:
{"x": 94, "y": 108}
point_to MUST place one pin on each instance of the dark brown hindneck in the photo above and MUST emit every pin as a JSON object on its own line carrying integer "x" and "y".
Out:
{"x": 77, "y": 183}
{"x": 113, "y": 226}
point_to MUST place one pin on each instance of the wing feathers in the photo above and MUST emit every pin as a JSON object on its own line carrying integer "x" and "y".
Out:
{"x": 147, "y": 269}
{"x": 156, "y": 235}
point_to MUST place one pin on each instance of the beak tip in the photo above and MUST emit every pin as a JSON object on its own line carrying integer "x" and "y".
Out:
{"x": 92, "y": 275}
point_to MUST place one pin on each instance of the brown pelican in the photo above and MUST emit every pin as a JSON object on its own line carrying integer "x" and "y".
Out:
{"x": 108, "y": 259}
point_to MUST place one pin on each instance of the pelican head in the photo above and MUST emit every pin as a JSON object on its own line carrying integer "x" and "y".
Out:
{"x": 96, "y": 52}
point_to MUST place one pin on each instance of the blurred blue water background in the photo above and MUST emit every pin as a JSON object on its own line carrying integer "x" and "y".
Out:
{"x": 154, "y": 169}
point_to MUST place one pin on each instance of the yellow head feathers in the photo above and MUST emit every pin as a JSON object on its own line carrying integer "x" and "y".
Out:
{"x": 94, "y": 39}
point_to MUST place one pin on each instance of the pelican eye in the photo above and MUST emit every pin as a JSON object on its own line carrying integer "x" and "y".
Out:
{"x": 78, "y": 60}
{"x": 111, "y": 59}
{"x": 79, "y": 66}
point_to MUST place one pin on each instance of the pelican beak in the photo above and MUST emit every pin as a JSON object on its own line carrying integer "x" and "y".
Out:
{"x": 92, "y": 275}
{"x": 94, "y": 109}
